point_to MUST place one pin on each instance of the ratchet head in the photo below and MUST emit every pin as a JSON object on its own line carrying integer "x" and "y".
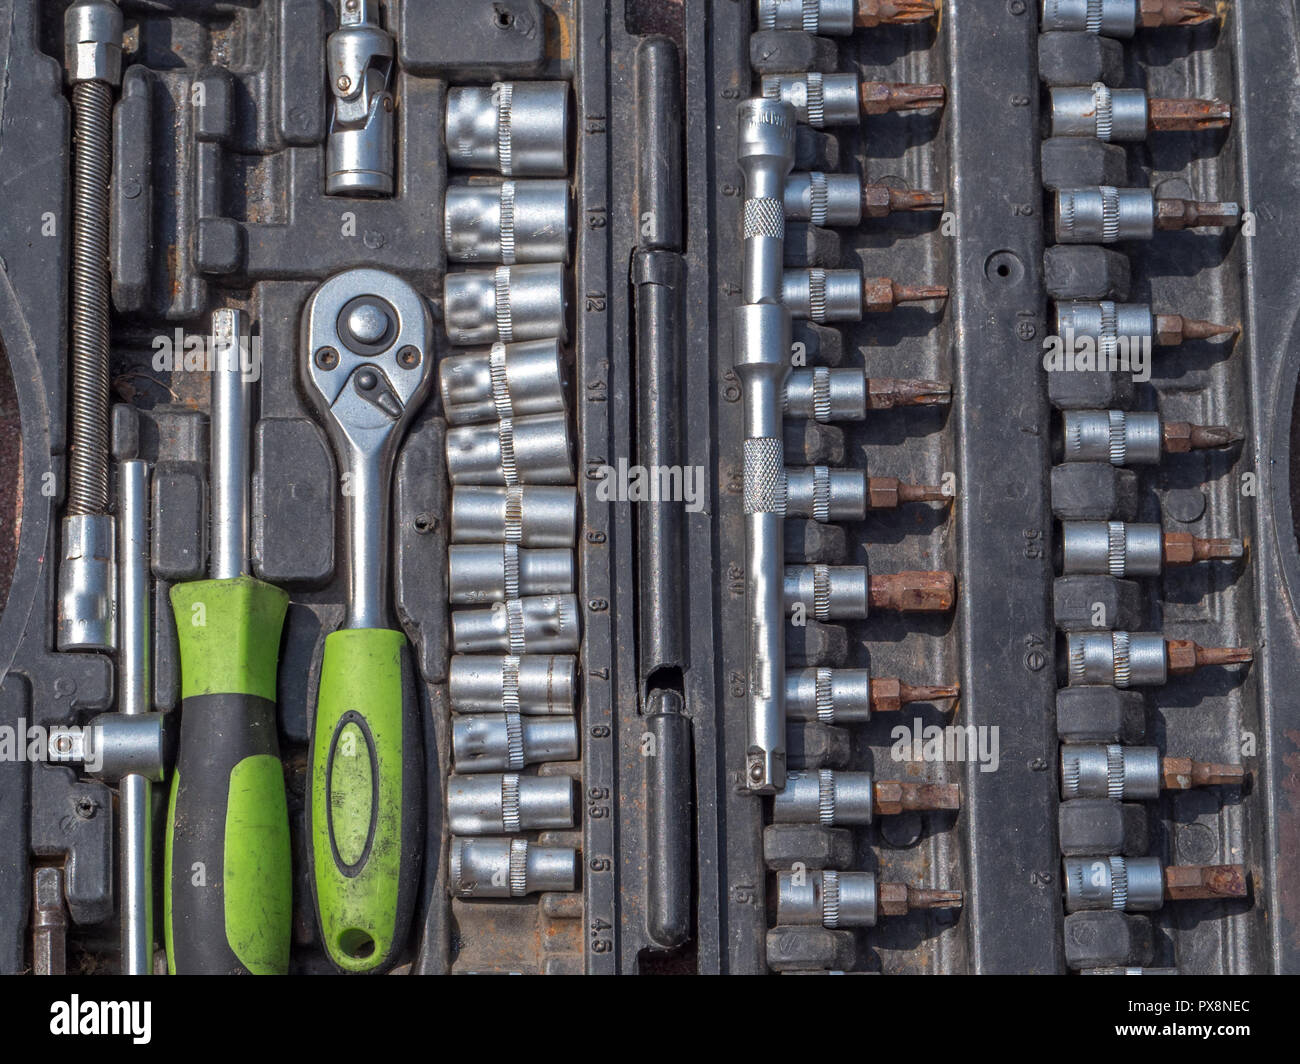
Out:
{"x": 367, "y": 357}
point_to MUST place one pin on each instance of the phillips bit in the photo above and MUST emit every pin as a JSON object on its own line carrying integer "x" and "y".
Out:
{"x": 1125, "y": 773}
{"x": 831, "y": 494}
{"x": 842, "y": 799}
{"x": 1121, "y": 115}
{"x": 845, "y": 199}
{"x": 873, "y": 13}
{"x": 881, "y": 97}
{"x": 1179, "y": 437}
{"x": 1156, "y": 14}
{"x": 885, "y": 393}
{"x": 839, "y": 18}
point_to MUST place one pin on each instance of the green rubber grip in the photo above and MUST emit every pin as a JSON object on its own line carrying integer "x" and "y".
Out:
{"x": 228, "y": 892}
{"x": 367, "y": 797}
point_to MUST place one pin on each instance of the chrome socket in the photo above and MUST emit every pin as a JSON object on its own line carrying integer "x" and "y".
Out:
{"x": 819, "y": 100}
{"x": 826, "y": 797}
{"x": 505, "y": 381}
{"x": 1120, "y": 437}
{"x": 832, "y": 696}
{"x": 829, "y": 18}
{"x": 507, "y": 221}
{"x": 828, "y": 592}
{"x": 510, "y": 303}
{"x": 92, "y": 42}
{"x": 507, "y": 803}
{"x": 1127, "y": 884}
{"x": 823, "y": 295}
{"x": 546, "y": 624}
{"x": 1119, "y": 659}
{"x": 506, "y": 742}
{"x": 532, "y": 684}
{"x": 112, "y": 746}
{"x": 824, "y": 199}
{"x": 1104, "y": 214}
{"x": 826, "y": 494}
{"x": 88, "y": 584}
{"x": 515, "y": 128}
{"x": 1112, "y": 548}
{"x": 826, "y": 394}
{"x": 509, "y": 868}
{"x": 1100, "y": 111}
{"x": 522, "y": 450}
{"x": 532, "y": 515}
{"x": 1109, "y": 324}
{"x": 828, "y": 898}
{"x": 1109, "y": 18}
{"x": 1113, "y": 771}
{"x": 493, "y": 572}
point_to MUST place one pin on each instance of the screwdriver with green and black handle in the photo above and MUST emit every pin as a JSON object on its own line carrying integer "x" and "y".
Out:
{"x": 228, "y": 892}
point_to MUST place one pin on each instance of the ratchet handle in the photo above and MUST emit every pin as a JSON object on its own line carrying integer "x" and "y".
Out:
{"x": 228, "y": 892}
{"x": 367, "y": 797}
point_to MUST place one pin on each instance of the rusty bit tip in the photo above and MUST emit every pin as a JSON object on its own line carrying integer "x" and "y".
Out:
{"x": 1196, "y": 214}
{"x": 1188, "y": 116}
{"x": 1182, "y": 773}
{"x": 890, "y": 694}
{"x": 1154, "y": 14}
{"x": 898, "y": 899}
{"x": 894, "y": 796}
{"x": 1182, "y": 548}
{"x": 881, "y": 97}
{"x": 1184, "y": 656}
{"x": 873, "y": 13}
{"x": 886, "y": 493}
{"x": 919, "y": 293}
{"x": 885, "y": 393}
{"x": 922, "y": 493}
{"x": 880, "y": 201}
{"x": 883, "y": 294}
{"x": 1174, "y": 329}
{"x": 1182, "y": 436}
{"x": 1184, "y": 882}
{"x": 926, "y": 591}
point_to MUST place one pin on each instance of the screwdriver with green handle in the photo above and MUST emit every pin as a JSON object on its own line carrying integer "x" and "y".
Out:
{"x": 366, "y": 359}
{"x": 228, "y": 892}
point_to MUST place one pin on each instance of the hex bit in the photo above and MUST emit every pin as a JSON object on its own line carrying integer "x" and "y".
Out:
{"x": 850, "y": 899}
{"x": 1124, "y": 773}
{"x": 847, "y": 592}
{"x": 1123, "y": 549}
{"x": 1140, "y": 659}
{"x": 851, "y": 696}
{"x": 1141, "y": 884}
{"x": 845, "y": 199}
{"x": 834, "y": 798}
{"x": 825, "y": 494}
{"x": 1124, "y": 437}
{"x": 823, "y": 295}
{"x": 1104, "y": 214}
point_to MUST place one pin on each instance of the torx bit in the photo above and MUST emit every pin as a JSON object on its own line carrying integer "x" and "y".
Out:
{"x": 850, "y": 696}
{"x": 822, "y": 100}
{"x": 1125, "y": 549}
{"x": 847, "y": 592}
{"x": 1188, "y": 882}
{"x": 836, "y": 798}
{"x": 1139, "y": 659}
{"x": 1127, "y": 773}
{"x": 845, "y": 199}
{"x": 1123, "y": 437}
{"x": 823, "y": 295}
{"x": 850, "y": 899}
{"x": 1188, "y": 116}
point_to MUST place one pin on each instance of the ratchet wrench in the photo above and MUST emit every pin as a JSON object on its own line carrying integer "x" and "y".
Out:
{"x": 367, "y": 360}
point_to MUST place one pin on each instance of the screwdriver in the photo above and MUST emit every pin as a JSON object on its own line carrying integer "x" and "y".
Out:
{"x": 228, "y": 892}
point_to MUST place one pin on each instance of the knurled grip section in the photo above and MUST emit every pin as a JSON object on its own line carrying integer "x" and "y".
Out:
{"x": 514, "y": 514}
{"x": 1109, "y": 214}
{"x": 764, "y": 216}
{"x": 765, "y": 479}
{"x": 1116, "y": 548}
{"x": 1118, "y": 437}
{"x": 825, "y": 695}
{"x": 510, "y": 567}
{"x": 510, "y": 802}
{"x": 505, "y": 320}
{"x": 510, "y": 683}
{"x": 500, "y": 381}
{"x": 1120, "y": 653}
{"x": 818, "y": 198}
{"x": 830, "y": 898}
{"x": 821, "y": 508}
{"x": 826, "y": 797}
{"x": 1103, "y": 109}
{"x": 518, "y": 867}
{"x": 505, "y": 140}
{"x": 508, "y": 222}
{"x": 1118, "y": 883}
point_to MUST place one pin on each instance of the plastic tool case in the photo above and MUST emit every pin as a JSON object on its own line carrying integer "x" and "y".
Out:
{"x": 218, "y": 200}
